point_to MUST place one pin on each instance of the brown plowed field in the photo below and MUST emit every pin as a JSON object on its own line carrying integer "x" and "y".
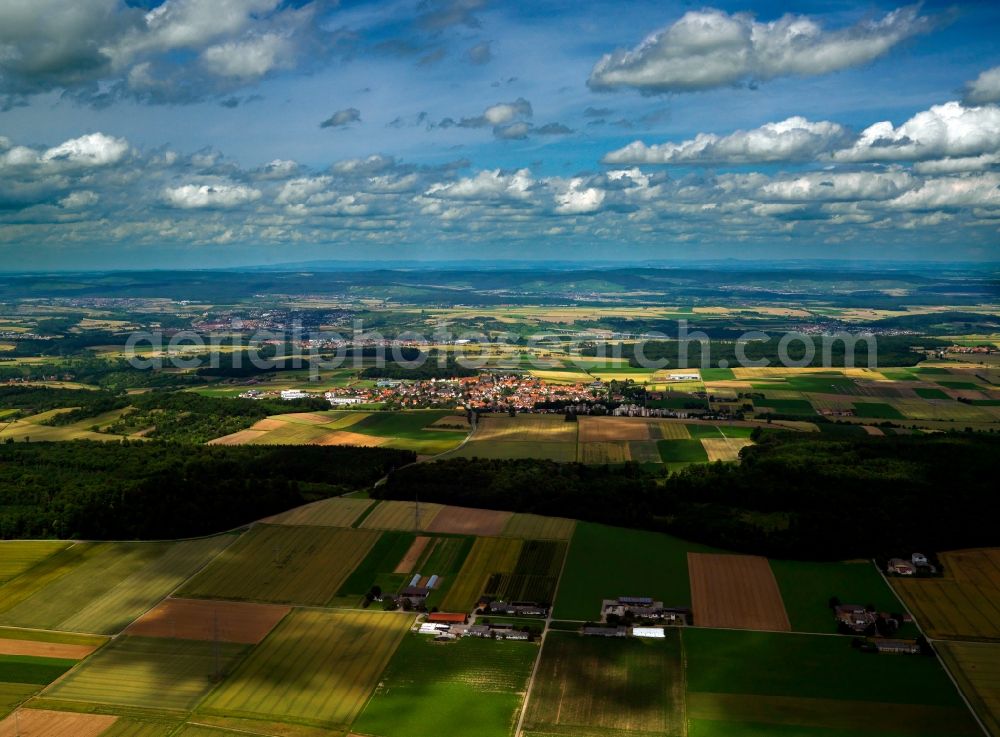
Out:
{"x": 191, "y": 619}
{"x": 603, "y": 429}
{"x": 463, "y": 521}
{"x": 736, "y": 592}
{"x": 409, "y": 561}
{"x": 45, "y": 649}
{"x": 42, "y": 723}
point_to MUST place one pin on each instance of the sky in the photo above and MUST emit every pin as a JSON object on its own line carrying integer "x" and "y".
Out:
{"x": 208, "y": 133}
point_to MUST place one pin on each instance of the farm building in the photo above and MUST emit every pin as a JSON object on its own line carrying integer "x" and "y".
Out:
{"x": 514, "y": 608}
{"x": 416, "y": 595}
{"x": 895, "y": 647}
{"x": 642, "y": 607}
{"x": 854, "y": 617}
{"x": 344, "y": 401}
{"x": 289, "y": 394}
{"x": 656, "y": 633}
{"x": 498, "y": 632}
{"x": 684, "y": 376}
{"x": 901, "y": 567}
{"x": 447, "y": 618}
{"x": 605, "y": 631}
{"x": 918, "y": 559}
{"x": 432, "y": 629}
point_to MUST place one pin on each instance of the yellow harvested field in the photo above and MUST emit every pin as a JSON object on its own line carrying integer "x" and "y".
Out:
{"x": 608, "y": 452}
{"x": 666, "y": 430}
{"x": 976, "y": 667}
{"x": 43, "y": 723}
{"x": 336, "y": 512}
{"x": 342, "y": 437}
{"x": 401, "y": 516}
{"x": 239, "y": 438}
{"x": 600, "y": 429}
{"x": 37, "y": 649}
{"x": 463, "y": 521}
{"x": 540, "y": 428}
{"x": 964, "y": 603}
{"x": 340, "y": 420}
{"x": 724, "y": 449}
{"x": 308, "y": 418}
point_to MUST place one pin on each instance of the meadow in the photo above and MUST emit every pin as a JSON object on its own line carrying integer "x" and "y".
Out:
{"x": 606, "y": 562}
{"x": 18, "y": 556}
{"x": 316, "y": 668}
{"x": 469, "y": 688}
{"x": 594, "y": 686}
{"x": 806, "y": 589}
{"x": 283, "y": 565}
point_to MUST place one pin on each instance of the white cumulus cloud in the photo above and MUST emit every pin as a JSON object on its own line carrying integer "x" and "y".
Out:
{"x": 948, "y": 130}
{"x": 578, "y": 199}
{"x": 94, "y": 149}
{"x": 195, "y": 196}
{"x": 839, "y": 186}
{"x": 250, "y": 58}
{"x": 711, "y": 48}
{"x": 794, "y": 139}
{"x": 984, "y": 88}
{"x": 486, "y": 185}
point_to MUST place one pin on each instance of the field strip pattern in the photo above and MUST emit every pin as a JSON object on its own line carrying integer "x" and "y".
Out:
{"x": 336, "y": 512}
{"x": 976, "y": 668}
{"x": 316, "y": 668}
{"x": 735, "y": 591}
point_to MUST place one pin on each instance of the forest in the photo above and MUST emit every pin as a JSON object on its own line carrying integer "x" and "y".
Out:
{"x": 802, "y": 496}
{"x": 156, "y": 490}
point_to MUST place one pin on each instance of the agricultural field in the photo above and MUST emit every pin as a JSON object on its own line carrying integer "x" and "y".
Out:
{"x": 469, "y": 688}
{"x": 390, "y": 515}
{"x": 17, "y": 556}
{"x": 781, "y": 681}
{"x": 489, "y": 556}
{"x": 606, "y": 562}
{"x": 964, "y": 603}
{"x": 404, "y": 430}
{"x": 156, "y": 673}
{"x": 536, "y": 527}
{"x": 317, "y": 668}
{"x": 335, "y": 512}
{"x": 806, "y": 589}
{"x": 46, "y": 644}
{"x": 976, "y": 667}
{"x": 101, "y": 587}
{"x": 283, "y": 565}
{"x": 523, "y": 436}
{"x": 196, "y": 619}
{"x": 464, "y": 521}
{"x": 594, "y": 686}
{"x": 534, "y": 575}
{"x": 44, "y": 723}
{"x": 735, "y": 592}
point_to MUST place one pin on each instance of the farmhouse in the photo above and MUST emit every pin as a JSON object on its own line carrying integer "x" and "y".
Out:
{"x": 901, "y": 567}
{"x": 342, "y": 401}
{"x": 497, "y": 632}
{"x": 643, "y": 608}
{"x": 854, "y": 617}
{"x": 514, "y": 608}
{"x": 289, "y": 394}
{"x": 416, "y": 595}
{"x": 656, "y": 633}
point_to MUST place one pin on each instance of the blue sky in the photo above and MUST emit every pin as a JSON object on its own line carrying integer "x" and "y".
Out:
{"x": 226, "y": 132}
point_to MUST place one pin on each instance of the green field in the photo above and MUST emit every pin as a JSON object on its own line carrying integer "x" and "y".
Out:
{"x": 595, "y": 686}
{"x": 284, "y": 565}
{"x": 102, "y": 587}
{"x": 809, "y": 666}
{"x": 18, "y": 556}
{"x": 682, "y": 451}
{"x": 605, "y": 562}
{"x": 877, "y": 410}
{"x": 469, "y": 688}
{"x": 12, "y": 694}
{"x": 806, "y": 589}
{"x": 149, "y": 672}
{"x": 378, "y": 566}
{"x": 31, "y": 669}
{"x": 316, "y": 668}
